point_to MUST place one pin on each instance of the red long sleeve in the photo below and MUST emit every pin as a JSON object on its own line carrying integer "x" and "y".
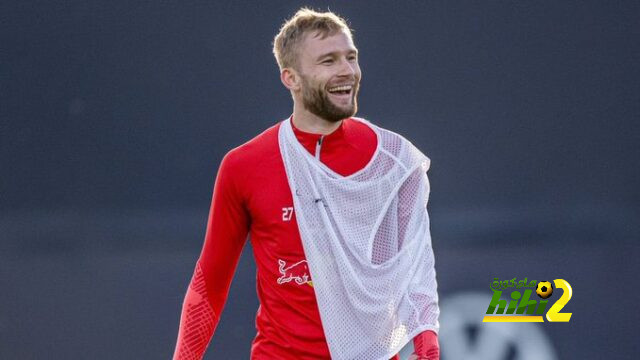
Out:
{"x": 425, "y": 345}
{"x": 198, "y": 320}
{"x": 227, "y": 229}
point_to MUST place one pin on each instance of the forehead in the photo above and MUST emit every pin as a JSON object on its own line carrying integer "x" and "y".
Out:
{"x": 314, "y": 45}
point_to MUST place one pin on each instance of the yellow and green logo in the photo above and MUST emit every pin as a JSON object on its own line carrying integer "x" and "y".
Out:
{"x": 521, "y": 307}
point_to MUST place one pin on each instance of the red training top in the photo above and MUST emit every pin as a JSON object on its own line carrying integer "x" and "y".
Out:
{"x": 252, "y": 195}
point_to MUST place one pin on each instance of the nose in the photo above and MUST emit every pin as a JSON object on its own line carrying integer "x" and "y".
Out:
{"x": 348, "y": 68}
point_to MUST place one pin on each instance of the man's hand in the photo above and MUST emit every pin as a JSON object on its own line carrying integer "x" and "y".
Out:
{"x": 426, "y": 346}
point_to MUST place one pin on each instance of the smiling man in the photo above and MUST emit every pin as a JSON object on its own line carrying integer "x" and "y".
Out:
{"x": 336, "y": 211}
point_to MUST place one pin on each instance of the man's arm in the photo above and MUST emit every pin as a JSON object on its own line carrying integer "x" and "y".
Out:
{"x": 425, "y": 346}
{"x": 226, "y": 235}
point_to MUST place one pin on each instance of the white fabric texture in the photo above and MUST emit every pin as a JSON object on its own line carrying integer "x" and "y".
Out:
{"x": 368, "y": 246}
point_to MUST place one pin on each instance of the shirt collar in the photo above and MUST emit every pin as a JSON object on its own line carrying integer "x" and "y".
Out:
{"x": 309, "y": 140}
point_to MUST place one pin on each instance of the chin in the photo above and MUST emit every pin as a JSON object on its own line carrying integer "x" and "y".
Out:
{"x": 345, "y": 112}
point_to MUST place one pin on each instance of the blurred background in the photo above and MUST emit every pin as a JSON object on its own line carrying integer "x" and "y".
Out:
{"x": 114, "y": 116}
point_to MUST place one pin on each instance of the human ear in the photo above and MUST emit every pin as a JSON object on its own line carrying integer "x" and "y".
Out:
{"x": 290, "y": 79}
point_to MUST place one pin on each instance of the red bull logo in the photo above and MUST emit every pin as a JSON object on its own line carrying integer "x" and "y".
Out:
{"x": 298, "y": 272}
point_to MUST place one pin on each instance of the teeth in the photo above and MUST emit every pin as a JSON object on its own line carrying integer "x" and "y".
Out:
{"x": 341, "y": 88}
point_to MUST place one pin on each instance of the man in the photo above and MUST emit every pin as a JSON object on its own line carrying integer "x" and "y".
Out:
{"x": 337, "y": 221}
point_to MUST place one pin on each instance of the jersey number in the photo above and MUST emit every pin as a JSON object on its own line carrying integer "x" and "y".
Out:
{"x": 287, "y": 213}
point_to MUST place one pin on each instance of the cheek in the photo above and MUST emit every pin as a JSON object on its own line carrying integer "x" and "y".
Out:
{"x": 319, "y": 82}
{"x": 321, "y": 74}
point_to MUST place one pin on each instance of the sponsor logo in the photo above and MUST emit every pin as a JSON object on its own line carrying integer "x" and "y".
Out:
{"x": 298, "y": 273}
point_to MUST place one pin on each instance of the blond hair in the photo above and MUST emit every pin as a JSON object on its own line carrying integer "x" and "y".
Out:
{"x": 304, "y": 22}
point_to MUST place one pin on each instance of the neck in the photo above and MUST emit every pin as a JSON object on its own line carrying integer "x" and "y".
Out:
{"x": 309, "y": 122}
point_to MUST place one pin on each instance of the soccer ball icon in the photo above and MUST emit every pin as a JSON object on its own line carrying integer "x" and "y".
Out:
{"x": 544, "y": 289}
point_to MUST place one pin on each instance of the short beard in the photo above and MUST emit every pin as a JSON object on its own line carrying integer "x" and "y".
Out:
{"x": 317, "y": 102}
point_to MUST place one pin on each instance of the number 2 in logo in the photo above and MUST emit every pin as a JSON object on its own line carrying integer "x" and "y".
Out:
{"x": 554, "y": 314}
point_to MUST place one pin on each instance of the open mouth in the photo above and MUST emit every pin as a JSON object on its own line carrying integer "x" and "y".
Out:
{"x": 341, "y": 91}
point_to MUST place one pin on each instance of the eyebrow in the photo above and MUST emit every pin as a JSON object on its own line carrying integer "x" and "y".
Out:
{"x": 334, "y": 53}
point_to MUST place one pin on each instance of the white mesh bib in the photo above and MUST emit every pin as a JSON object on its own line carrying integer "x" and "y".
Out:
{"x": 367, "y": 243}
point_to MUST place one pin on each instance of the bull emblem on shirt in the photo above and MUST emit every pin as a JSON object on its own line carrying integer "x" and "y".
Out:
{"x": 298, "y": 272}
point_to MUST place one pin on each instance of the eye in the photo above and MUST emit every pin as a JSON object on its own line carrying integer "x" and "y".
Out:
{"x": 352, "y": 58}
{"x": 327, "y": 61}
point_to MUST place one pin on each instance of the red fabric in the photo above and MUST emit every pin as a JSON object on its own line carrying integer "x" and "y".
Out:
{"x": 252, "y": 196}
{"x": 425, "y": 345}
{"x": 198, "y": 321}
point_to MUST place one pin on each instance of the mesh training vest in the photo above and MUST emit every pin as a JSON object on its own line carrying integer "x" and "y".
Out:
{"x": 367, "y": 243}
